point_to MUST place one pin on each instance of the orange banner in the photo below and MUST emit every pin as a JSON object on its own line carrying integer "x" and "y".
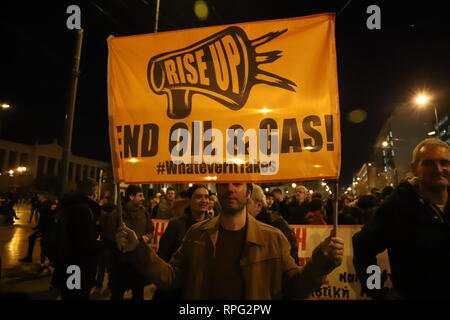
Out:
{"x": 247, "y": 102}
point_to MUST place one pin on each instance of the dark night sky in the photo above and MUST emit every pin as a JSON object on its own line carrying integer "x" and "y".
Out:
{"x": 377, "y": 69}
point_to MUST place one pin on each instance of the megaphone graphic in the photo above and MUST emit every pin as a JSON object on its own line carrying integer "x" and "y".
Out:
{"x": 224, "y": 67}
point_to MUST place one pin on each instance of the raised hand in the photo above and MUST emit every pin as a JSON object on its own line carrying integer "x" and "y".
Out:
{"x": 126, "y": 239}
{"x": 333, "y": 249}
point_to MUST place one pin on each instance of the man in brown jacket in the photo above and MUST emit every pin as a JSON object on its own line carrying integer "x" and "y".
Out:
{"x": 233, "y": 256}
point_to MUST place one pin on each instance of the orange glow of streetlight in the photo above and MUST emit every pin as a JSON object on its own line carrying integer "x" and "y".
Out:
{"x": 422, "y": 99}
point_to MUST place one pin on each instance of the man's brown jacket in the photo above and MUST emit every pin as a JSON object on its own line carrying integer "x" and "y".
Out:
{"x": 268, "y": 269}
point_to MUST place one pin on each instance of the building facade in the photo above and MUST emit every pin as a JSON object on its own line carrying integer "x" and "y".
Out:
{"x": 44, "y": 160}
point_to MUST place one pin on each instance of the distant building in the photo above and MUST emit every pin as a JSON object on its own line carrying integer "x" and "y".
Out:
{"x": 392, "y": 152}
{"x": 366, "y": 179}
{"x": 44, "y": 160}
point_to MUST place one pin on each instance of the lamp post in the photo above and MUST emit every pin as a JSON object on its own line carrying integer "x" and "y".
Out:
{"x": 70, "y": 114}
{"x": 4, "y": 107}
{"x": 422, "y": 100}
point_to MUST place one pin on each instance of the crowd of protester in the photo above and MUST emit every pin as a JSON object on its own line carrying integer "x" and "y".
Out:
{"x": 101, "y": 252}
{"x": 81, "y": 228}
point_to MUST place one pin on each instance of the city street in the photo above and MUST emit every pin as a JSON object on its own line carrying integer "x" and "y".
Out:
{"x": 21, "y": 280}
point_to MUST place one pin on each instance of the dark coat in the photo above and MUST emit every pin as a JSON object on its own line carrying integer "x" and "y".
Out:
{"x": 174, "y": 234}
{"x": 77, "y": 239}
{"x": 137, "y": 218}
{"x": 418, "y": 242}
{"x": 275, "y": 220}
{"x": 47, "y": 226}
{"x": 267, "y": 267}
{"x": 169, "y": 243}
{"x": 295, "y": 213}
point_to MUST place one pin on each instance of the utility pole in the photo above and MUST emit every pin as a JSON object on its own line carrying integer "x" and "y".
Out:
{"x": 70, "y": 113}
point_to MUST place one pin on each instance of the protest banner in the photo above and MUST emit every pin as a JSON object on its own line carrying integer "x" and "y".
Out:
{"x": 246, "y": 102}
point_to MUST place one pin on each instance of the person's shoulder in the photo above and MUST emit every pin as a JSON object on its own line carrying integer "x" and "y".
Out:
{"x": 276, "y": 216}
{"x": 177, "y": 221}
{"x": 404, "y": 196}
{"x": 268, "y": 231}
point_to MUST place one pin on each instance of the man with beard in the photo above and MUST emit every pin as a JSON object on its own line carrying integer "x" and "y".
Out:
{"x": 234, "y": 256}
{"x": 413, "y": 224}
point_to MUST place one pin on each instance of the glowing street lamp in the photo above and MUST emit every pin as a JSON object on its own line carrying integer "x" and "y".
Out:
{"x": 5, "y": 106}
{"x": 422, "y": 100}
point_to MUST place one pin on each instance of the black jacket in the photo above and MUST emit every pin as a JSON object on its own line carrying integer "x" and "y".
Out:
{"x": 46, "y": 223}
{"x": 295, "y": 213}
{"x": 418, "y": 242}
{"x": 77, "y": 239}
{"x": 137, "y": 218}
{"x": 174, "y": 234}
{"x": 275, "y": 220}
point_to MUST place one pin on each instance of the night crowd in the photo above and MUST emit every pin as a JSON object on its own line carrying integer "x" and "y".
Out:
{"x": 87, "y": 230}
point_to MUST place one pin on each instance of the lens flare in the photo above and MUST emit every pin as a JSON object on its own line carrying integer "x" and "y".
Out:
{"x": 201, "y": 10}
{"x": 357, "y": 116}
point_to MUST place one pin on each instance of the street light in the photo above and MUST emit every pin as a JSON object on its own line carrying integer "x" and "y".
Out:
{"x": 21, "y": 169}
{"x": 4, "y": 106}
{"x": 422, "y": 100}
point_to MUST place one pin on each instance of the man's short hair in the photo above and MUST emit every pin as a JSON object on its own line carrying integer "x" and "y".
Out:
{"x": 171, "y": 189}
{"x": 303, "y": 188}
{"x": 87, "y": 187}
{"x": 367, "y": 202}
{"x": 277, "y": 190}
{"x": 132, "y": 190}
{"x": 191, "y": 190}
{"x": 258, "y": 194}
{"x": 427, "y": 142}
{"x": 316, "y": 195}
{"x": 387, "y": 191}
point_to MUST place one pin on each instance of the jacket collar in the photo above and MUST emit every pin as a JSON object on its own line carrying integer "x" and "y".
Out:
{"x": 253, "y": 234}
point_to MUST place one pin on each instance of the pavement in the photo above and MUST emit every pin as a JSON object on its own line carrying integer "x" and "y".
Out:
{"x": 23, "y": 280}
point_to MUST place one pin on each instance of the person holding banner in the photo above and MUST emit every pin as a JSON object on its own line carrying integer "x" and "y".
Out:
{"x": 413, "y": 224}
{"x": 233, "y": 256}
